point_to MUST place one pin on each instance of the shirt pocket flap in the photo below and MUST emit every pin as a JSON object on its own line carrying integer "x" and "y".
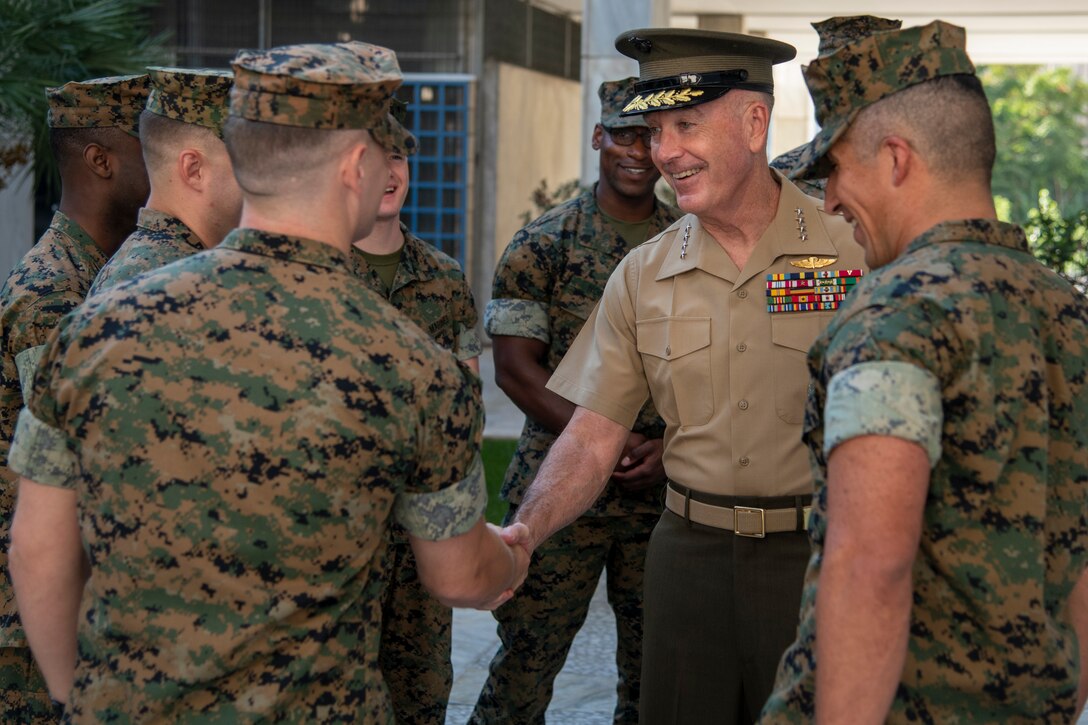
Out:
{"x": 796, "y": 332}
{"x": 670, "y": 338}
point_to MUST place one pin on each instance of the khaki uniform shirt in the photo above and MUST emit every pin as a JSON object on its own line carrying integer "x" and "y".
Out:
{"x": 430, "y": 288}
{"x": 159, "y": 239}
{"x": 240, "y": 427}
{"x": 694, "y": 332}
{"x": 48, "y": 283}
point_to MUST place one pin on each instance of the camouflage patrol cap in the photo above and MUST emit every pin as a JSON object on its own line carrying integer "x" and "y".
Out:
{"x": 323, "y": 86}
{"x": 842, "y": 30}
{"x": 834, "y": 33}
{"x": 682, "y": 68}
{"x": 200, "y": 97}
{"x": 99, "y": 103}
{"x": 613, "y": 95}
{"x": 867, "y": 70}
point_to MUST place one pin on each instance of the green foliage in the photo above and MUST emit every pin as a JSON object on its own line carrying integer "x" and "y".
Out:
{"x": 50, "y": 42}
{"x": 1042, "y": 137}
{"x": 1060, "y": 242}
{"x": 544, "y": 198}
{"x": 496, "y": 455}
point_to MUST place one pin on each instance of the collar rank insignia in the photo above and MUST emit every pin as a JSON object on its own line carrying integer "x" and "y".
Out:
{"x": 815, "y": 291}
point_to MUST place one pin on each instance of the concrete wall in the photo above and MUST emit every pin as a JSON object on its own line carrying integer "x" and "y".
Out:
{"x": 16, "y": 219}
{"x": 538, "y": 137}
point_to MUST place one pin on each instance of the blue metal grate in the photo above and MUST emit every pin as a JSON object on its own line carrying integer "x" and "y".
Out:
{"x": 438, "y": 114}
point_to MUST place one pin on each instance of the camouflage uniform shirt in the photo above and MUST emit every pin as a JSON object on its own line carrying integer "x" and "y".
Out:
{"x": 240, "y": 427}
{"x": 430, "y": 288}
{"x": 546, "y": 285}
{"x": 159, "y": 239}
{"x": 1004, "y": 530}
{"x": 48, "y": 283}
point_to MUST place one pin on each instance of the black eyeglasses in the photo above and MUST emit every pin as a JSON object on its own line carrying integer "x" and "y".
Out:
{"x": 626, "y": 136}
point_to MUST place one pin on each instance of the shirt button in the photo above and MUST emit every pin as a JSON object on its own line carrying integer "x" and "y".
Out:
{"x": 743, "y": 405}
{"x": 741, "y": 347}
{"x": 742, "y": 294}
{"x": 744, "y": 461}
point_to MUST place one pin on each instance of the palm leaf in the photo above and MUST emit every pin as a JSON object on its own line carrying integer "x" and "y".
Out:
{"x": 50, "y": 42}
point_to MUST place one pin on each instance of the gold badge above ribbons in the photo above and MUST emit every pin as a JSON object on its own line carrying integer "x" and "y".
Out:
{"x": 813, "y": 262}
{"x": 662, "y": 98}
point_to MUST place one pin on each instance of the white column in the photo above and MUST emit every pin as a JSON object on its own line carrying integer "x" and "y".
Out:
{"x": 602, "y": 21}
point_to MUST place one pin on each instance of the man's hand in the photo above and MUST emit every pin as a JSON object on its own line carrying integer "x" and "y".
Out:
{"x": 640, "y": 465}
{"x": 515, "y": 536}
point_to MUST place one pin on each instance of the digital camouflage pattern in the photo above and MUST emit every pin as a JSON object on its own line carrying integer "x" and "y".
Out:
{"x": 547, "y": 282}
{"x": 159, "y": 239}
{"x": 327, "y": 86}
{"x": 788, "y": 163}
{"x": 199, "y": 97}
{"x": 1004, "y": 529}
{"x": 613, "y": 96}
{"x": 873, "y": 67}
{"x": 115, "y": 101}
{"x": 538, "y": 626}
{"x": 48, "y": 283}
{"x": 244, "y": 423}
{"x": 842, "y": 30}
{"x": 430, "y": 288}
{"x": 417, "y": 629}
{"x": 24, "y": 696}
{"x": 834, "y": 33}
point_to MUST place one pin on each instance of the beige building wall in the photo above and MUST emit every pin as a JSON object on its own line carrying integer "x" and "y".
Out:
{"x": 539, "y": 127}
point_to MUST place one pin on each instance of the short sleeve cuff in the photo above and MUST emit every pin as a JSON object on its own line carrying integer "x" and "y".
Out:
{"x": 41, "y": 453}
{"x": 449, "y": 512}
{"x": 517, "y": 318}
{"x": 26, "y": 363}
{"x": 885, "y": 398}
{"x": 468, "y": 344}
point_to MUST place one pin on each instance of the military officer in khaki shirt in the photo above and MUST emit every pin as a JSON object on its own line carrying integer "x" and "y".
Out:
{"x": 712, "y": 319}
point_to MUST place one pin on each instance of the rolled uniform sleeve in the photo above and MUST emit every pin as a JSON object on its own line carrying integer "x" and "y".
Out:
{"x": 42, "y": 453}
{"x": 517, "y": 318}
{"x": 466, "y": 317}
{"x": 603, "y": 369}
{"x": 522, "y": 289}
{"x": 447, "y": 495}
{"x": 41, "y": 450}
{"x": 888, "y": 399}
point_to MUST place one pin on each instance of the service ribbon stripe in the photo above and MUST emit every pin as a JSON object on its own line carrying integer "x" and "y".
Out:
{"x": 808, "y": 298}
{"x": 818, "y": 290}
{"x": 802, "y": 283}
{"x": 816, "y": 274}
{"x": 804, "y": 307}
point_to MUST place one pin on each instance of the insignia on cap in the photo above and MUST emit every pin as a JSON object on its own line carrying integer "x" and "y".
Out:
{"x": 661, "y": 98}
{"x": 690, "y": 79}
{"x": 813, "y": 262}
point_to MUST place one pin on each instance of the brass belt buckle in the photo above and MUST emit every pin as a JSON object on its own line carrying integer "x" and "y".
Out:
{"x": 755, "y": 532}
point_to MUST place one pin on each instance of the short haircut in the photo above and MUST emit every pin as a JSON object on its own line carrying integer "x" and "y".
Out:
{"x": 947, "y": 120}
{"x": 264, "y": 154}
{"x": 67, "y": 144}
{"x": 162, "y": 138}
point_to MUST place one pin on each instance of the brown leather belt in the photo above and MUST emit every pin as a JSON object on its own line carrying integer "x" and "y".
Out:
{"x": 741, "y": 520}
